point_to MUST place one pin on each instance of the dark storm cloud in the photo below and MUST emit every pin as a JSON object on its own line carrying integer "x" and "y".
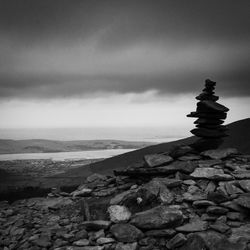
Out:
{"x": 26, "y": 26}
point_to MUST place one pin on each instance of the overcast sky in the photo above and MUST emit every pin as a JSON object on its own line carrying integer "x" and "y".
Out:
{"x": 77, "y": 63}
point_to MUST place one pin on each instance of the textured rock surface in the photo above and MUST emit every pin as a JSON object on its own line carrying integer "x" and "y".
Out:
{"x": 158, "y": 217}
{"x": 191, "y": 206}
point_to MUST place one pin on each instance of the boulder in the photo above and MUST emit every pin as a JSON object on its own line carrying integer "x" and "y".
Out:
{"x": 119, "y": 213}
{"x": 155, "y": 160}
{"x": 245, "y": 185}
{"x": 126, "y": 232}
{"x": 194, "y": 242}
{"x": 96, "y": 177}
{"x": 177, "y": 241}
{"x": 241, "y": 232}
{"x": 244, "y": 200}
{"x": 158, "y": 217}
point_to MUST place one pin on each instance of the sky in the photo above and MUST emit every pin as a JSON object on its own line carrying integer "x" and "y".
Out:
{"x": 113, "y": 63}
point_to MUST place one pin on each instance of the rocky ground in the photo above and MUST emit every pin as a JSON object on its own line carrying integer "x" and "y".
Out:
{"x": 29, "y": 178}
{"x": 180, "y": 199}
{"x": 42, "y": 167}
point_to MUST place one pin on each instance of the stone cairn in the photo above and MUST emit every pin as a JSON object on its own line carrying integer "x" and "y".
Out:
{"x": 211, "y": 116}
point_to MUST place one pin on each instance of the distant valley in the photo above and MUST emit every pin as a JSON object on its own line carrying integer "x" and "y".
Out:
{"x": 49, "y": 146}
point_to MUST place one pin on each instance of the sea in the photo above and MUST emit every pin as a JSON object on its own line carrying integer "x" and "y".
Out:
{"x": 155, "y": 135}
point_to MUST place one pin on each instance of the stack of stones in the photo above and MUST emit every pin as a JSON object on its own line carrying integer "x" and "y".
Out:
{"x": 211, "y": 116}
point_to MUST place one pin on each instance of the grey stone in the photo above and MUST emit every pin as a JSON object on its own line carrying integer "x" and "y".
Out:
{"x": 129, "y": 246}
{"x": 161, "y": 233}
{"x": 220, "y": 227}
{"x": 155, "y": 160}
{"x": 80, "y": 243}
{"x": 203, "y": 203}
{"x": 177, "y": 241}
{"x": 245, "y": 185}
{"x": 194, "y": 226}
{"x": 244, "y": 201}
{"x": 158, "y": 217}
{"x": 104, "y": 240}
{"x": 126, "y": 232}
{"x": 241, "y": 232}
{"x": 211, "y": 174}
{"x": 220, "y": 153}
{"x": 217, "y": 210}
{"x": 119, "y": 213}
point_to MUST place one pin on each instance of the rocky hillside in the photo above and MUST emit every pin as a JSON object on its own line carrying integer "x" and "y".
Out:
{"x": 179, "y": 199}
{"x": 239, "y": 137}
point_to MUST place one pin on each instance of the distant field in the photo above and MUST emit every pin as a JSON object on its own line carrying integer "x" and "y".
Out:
{"x": 49, "y": 146}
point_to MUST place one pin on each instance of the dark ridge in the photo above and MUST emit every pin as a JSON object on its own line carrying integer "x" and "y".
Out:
{"x": 239, "y": 137}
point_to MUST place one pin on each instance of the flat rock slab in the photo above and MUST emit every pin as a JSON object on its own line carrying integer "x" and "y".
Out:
{"x": 208, "y": 163}
{"x": 195, "y": 226}
{"x": 244, "y": 200}
{"x": 220, "y": 153}
{"x": 217, "y": 210}
{"x": 157, "y": 218}
{"x": 170, "y": 183}
{"x": 189, "y": 157}
{"x": 186, "y": 167}
{"x": 211, "y": 174}
{"x": 208, "y": 133}
{"x": 203, "y": 203}
{"x": 154, "y": 160}
{"x": 211, "y": 106}
{"x": 220, "y": 227}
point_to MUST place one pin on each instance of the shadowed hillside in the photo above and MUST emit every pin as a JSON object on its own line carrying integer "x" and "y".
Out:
{"x": 239, "y": 137}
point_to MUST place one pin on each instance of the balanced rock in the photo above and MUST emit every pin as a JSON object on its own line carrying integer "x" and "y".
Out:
{"x": 210, "y": 116}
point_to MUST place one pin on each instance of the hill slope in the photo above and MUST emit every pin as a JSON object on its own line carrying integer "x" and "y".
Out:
{"x": 239, "y": 137}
